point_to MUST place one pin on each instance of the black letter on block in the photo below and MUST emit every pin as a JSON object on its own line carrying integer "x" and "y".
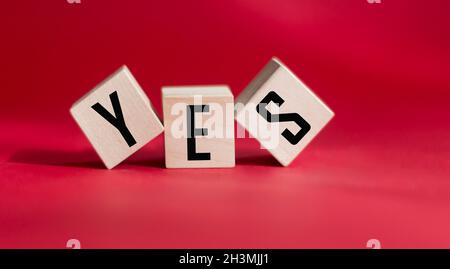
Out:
{"x": 284, "y": 117}
{"x": 117, "y": 120}
{"x": 192, "y": 132}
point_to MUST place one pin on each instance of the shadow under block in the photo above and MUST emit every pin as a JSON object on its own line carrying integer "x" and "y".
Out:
{"x": 117, "y": 117}
{"x": 199, "y": 126}
{"x": 281, "y": 112}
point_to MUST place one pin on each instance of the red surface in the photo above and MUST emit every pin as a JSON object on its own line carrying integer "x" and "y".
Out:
{"x": 381, "y": 169}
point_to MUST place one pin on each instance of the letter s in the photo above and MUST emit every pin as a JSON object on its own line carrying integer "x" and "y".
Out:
{"x": 283, "y": 117}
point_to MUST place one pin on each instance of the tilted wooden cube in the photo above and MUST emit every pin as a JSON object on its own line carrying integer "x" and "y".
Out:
{"x": 281, "y": 112}
{"x": 117, "y": 117}
{"x": 199, "y": 126}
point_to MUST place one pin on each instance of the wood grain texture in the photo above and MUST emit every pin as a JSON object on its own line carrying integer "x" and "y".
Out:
{"x": 297, "y": 98}
{"x": 138, "y": 114}
{"x": 219, "y": 122}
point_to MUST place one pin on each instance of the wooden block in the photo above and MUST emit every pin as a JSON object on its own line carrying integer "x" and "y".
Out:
{"x": 117, "y": 117}
{"x": 198, "y": 126}
{"x": 281, "y": 112}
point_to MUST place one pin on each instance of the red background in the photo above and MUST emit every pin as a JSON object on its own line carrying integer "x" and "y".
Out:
{"x": 380, "y": 169}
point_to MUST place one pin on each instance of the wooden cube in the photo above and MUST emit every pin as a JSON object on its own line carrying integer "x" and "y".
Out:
{"x": 198, "y": 126}
{"x": 281, "y": 112}
{"x": 117, "y": 117}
